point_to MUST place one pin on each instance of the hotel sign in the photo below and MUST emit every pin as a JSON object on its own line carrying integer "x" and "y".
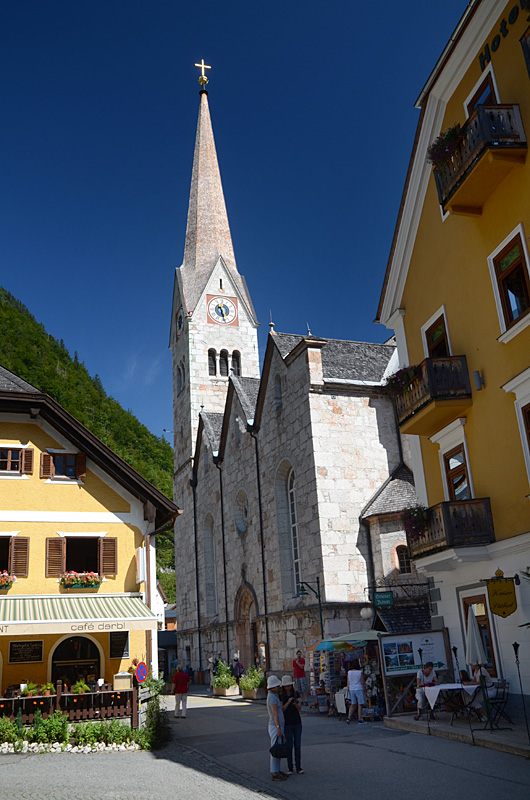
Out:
{"x": 501, "y": 596}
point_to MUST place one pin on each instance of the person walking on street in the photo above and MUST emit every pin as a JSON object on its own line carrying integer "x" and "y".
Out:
{"x": 299, "y": 675}
{"x": 276, "y": 722}
{"x": 291, "y": 706}
{"x": 181, "y": 683}
{"x": 356, "y": 689}
{"x": 238, "y": 669}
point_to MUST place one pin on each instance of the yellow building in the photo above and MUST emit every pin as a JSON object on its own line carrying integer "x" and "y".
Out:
{"x": 71, "y": 512}
{"x": 457, "y": 294}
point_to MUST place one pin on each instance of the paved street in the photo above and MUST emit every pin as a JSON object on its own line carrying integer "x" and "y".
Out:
{"x": 220, "y": 751}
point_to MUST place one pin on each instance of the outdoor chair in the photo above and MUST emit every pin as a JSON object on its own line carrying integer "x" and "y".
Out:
{"x": 498, "y": 704}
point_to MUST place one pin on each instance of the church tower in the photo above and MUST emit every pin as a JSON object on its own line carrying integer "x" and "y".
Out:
{"x": 213, "y": 324}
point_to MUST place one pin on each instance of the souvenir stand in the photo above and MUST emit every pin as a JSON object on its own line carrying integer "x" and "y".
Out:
{"x": 330, "y": 660}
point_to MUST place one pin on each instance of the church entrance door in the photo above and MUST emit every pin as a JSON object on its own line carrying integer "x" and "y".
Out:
{"x": 246, "y": 629}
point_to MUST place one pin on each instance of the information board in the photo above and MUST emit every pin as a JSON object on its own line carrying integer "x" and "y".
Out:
{"x": 119, "y": 644}
{"x": 400, "y": 654}
{"x": 25, "y": 652}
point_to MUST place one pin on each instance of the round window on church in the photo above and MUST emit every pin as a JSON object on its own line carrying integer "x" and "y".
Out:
{"x": 241, "y": 512}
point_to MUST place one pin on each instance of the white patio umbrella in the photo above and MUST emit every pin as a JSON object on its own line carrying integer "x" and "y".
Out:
{"x": 474, "y": 648}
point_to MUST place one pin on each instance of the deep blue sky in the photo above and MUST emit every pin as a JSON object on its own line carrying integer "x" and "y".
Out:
{"x": 312, "y": 108}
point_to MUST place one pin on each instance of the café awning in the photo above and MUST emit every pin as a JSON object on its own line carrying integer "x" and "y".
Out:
{"x": 75, "y": 614}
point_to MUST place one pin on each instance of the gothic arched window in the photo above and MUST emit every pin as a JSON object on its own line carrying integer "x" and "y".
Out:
{"x": 293, "y": 520}
{"x": 278, "y": 391}
{"x": 179, "y": 381}
{"x": 223, "y": 363}
{"x": 236, "y": 363}
{"x": 210, "y": 572}
{"x": 403, "y": 557}
{"x": 212, "y": 367}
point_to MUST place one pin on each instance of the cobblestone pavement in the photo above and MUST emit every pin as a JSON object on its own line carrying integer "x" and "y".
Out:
{"x": 220, "y": 751}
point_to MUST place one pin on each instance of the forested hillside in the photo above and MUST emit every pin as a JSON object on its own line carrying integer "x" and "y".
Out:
{"x": 30, "y": 352}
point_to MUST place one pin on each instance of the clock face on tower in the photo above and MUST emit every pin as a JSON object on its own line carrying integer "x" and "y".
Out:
{"x": 222, "y": 310}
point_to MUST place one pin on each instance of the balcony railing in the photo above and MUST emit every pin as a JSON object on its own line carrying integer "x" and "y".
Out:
{"x": 496, "y": 128}
{"x": 464, "y": 523}
{"x": 440, "y": 379}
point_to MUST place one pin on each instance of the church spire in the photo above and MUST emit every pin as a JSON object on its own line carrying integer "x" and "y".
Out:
{"x": 208, "y": 232}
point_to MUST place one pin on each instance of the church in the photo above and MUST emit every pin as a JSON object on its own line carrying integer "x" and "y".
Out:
{"x": 290, "y": 478}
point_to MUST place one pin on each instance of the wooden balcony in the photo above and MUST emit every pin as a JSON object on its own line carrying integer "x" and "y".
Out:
{"x": 466, "y": 523}
{"x": 493, "y": 143}
{"x": 439, "y": 395}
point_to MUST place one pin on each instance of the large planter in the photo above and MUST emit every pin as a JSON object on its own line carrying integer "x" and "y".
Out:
{"x": 254, "y": 694}
{"x": 81, "y": 585}
{"x": 228, "y": 691}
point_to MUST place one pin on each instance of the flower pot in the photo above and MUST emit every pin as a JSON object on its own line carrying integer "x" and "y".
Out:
{"x": 254, "y": 694}
{"x": 226, "y": 691}
{"x": 81, "y": 586}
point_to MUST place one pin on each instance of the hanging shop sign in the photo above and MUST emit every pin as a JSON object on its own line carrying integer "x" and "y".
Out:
{"x": 383, "y": 599}
{"x": 501, "y": 595}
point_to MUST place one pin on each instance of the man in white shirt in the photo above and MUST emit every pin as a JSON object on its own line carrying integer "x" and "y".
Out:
{"x": 424, "y": 677}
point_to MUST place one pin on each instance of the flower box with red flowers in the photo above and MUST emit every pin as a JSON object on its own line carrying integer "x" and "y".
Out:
{"x": 80, "y": 580}
{"x": 6, "y": 580}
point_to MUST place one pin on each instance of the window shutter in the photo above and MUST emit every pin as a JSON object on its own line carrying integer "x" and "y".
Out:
{"x": 80, "y": 465}
{"x": 46, "y": 465}
{"x": 55, "y": 556}
{"x": 19, "y": 556}
{"x": 27, "y": 461}
{"x": 108, "y": 556}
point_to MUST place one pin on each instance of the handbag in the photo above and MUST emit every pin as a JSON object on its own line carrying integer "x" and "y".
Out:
{"x": 280, "y": 749}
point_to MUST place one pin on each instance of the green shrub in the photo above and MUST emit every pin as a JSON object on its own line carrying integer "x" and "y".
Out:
{"x": 8, "y": 730}
{"x": 55, "y": 728}
{"x": 253, "y": 678}
{"x": 224, "y": 677}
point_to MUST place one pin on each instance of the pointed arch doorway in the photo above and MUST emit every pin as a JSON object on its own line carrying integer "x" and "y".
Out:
{"x": 246, "y": 626}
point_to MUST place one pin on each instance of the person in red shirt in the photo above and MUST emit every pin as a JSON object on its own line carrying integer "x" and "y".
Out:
{"x": 299, "y": 676}
{"x": 181, "y": 682}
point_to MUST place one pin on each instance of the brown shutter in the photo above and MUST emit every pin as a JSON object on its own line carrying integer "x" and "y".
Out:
{"x": 27, "y": 461}
{"x": 55, "y": 556}
{"x": 19, "y": 561}
{"x": 108, "y": 556}
{"x": 46, "y": 465}
{"x": 80, "y": 465}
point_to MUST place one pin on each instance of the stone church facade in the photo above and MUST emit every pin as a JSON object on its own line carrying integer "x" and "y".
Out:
{"x": 291, "y": 477}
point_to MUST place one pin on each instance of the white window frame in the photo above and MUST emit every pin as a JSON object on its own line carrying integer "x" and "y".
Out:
{"x": 520, "y": 387}
{"x": 453, "y": 435}
{"x": 507, "y": 334}
{"x": 425, "y": 327}
{"x": 483, "y": 75}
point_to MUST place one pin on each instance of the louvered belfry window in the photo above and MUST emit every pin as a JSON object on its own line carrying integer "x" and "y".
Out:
{"x": 223, "y": 363}
{"x": 212, "y": 367}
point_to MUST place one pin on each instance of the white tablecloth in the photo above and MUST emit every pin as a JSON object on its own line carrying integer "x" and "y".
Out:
{"x": 432, "y": 692}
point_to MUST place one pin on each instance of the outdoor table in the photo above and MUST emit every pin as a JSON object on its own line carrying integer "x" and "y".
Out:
{"x": 432, "y": 692}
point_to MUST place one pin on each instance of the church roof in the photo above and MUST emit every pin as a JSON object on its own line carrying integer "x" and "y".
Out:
{"x": 396, "y": 493}
{"x": 344, "y": 360}
{"x": 9, "y": 382}
{"x": 247, "y": 390}
{"x": 208, "y": 232}
{"x": 213, "y": 424}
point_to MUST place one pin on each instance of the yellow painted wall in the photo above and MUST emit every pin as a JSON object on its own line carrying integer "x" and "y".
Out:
{"x": 11, "y": 674}
{"x": 449, "y": 266}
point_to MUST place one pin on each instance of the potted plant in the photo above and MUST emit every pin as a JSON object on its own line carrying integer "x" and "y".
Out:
{"x": 80, "y": 687}
{"x": 6, "y": 580}
{"x": 30, "y": 690}
{"x": 224, "y": 682}
{"x": 47, "y": 689}
{"x": 79, "y": 580}
{"x": 401, "y": 380}
{"x": 441, "y": 151}
{"x": 252, "y": 684}
{"x": 415, "y": 521}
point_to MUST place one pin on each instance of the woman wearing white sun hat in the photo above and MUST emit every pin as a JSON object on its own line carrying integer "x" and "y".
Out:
{"x": 276, "y": 722}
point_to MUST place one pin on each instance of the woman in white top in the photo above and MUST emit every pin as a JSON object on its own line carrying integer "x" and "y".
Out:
{"x": 356, "y": 687}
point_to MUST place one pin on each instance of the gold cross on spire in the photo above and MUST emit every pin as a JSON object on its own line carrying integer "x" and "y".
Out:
{"x": 203, "y": 80}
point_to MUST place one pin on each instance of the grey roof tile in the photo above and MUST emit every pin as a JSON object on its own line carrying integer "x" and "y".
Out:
{"x": 9, "y": 382}
{"x": 396, "y": 493}
{"x": 247, "y": 390}
{"x": 345, "y": 360}
{"x": 405, "y": 618}
{"x": 213, "y": 424}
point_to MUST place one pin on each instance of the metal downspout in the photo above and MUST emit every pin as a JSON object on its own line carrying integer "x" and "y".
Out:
{"x": 218, "y": 465}
{"x": 193, "y": 484}
{"x": 260, "y": 506}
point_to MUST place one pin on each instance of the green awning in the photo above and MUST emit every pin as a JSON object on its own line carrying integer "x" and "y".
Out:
{"x": 21, "y": 616}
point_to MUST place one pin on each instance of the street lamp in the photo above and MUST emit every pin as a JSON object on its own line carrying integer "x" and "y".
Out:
{"x": 302, "y": 592}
